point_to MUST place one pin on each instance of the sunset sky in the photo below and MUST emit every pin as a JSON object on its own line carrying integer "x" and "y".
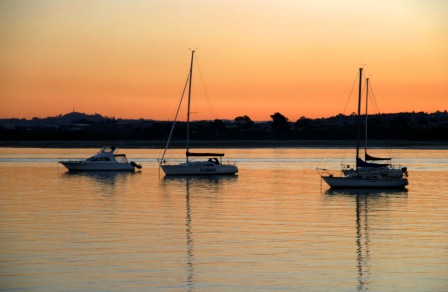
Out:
{"x": 130, "y": 58}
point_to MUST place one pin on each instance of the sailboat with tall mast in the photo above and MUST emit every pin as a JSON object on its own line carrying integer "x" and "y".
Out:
{"x": 214, "y": 165}
{"x": 370, "y": 163}
{"x": 366, "y": 174}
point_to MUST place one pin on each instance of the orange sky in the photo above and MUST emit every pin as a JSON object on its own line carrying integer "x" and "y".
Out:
{"x": 129, "y": 59}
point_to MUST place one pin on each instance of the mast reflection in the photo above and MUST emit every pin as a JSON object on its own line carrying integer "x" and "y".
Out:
{"x": 190, "y": 241}
{"x": 362, "y": 242}
{"x": 196, "y": 186}
{"x": 364, "y": 198}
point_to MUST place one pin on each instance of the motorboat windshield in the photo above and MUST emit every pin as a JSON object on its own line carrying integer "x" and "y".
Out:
{"x": 121, "y": 158}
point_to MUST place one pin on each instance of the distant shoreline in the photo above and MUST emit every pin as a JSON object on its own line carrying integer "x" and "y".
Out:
{"x": 159, "y": 144}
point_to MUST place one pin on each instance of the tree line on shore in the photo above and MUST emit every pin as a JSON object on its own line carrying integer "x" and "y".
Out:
{"x": 77, "y": 126}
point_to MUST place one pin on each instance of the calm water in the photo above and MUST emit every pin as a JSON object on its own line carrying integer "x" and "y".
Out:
{"x": 273, "y": 227}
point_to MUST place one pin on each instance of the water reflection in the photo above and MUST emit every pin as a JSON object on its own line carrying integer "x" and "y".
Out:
{"x": 190, "y": 271}
{"x": 199, "y": 180}
{"x": 364, "y": 199}
{"x": 367, "y": 192}
{"x": 99, "y": 176}
{"x": 194, "y": 185}
{"x": 107, "y": 181}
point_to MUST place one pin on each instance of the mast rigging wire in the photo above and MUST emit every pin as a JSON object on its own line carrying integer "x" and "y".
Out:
{"x": 204, "y": 88}
{"x": 175, "y": 119}
{"x": 354, "y": 83}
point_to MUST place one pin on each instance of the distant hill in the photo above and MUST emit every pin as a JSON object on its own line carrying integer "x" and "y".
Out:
{"x": 67, "y": 119}
{"x": 80, "y": 126}
{"x": 75, "y": 117}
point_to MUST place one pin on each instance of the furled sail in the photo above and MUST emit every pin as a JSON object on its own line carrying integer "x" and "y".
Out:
{"x": 362, "y": 163}
{"x": 371, "y": 158}
{"x": 188, "y": 153}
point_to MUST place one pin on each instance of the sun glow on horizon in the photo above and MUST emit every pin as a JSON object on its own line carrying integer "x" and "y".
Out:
{"x": 298, "y": 58}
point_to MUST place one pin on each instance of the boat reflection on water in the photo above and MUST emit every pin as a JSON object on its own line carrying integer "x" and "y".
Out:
{"x": 195, "y": 186}
{"x": 365, "y": 200}
{"x": 367, "y": 192}
{"x": 100, "y": 176}
{"x": 105, "y": 181}
{"x": 199, "y": 180}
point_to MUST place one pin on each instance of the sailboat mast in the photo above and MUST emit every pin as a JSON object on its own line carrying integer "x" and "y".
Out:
{"x": 189, "y": 95}
{"x": 367, "y": 107}
{"x": 358, "y": 130}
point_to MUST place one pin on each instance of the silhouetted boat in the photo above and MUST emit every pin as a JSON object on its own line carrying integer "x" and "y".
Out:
{"x": 212, "y": 166}
{"x": 367, "y": 174}
{"x": 104, "y": 160}
{"x": 386, "y": 168}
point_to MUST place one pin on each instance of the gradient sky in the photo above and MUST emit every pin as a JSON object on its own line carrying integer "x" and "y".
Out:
{"x": 130, "y": 58}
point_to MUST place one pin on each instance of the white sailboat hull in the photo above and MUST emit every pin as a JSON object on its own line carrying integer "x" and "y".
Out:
{"x": 83, "y": 166}
{"x": 199, "y": 169}
{"x": 385, "y": 172}
{"x": 347, "y": 182}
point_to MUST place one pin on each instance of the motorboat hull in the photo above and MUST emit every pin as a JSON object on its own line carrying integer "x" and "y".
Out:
{"x": 82, "y": 166}
{"x": 105, "y": 160}
{"x": 198, "y": 169}
{"x": 374, "y": 183}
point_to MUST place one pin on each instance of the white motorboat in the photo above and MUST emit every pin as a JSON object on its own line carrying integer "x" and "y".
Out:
{"x": 105, "y": 160}
{"x": 214, "y": 165}
{"x": 367, "y": 173}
